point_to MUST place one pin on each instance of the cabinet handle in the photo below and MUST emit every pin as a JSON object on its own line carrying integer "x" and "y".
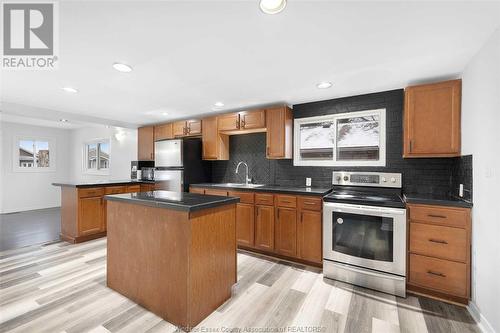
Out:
{"x": 237, "y": 123}
{"x": 301, "y": 217}
{"x": 411, "y": 145}
{"x": 436, "y": 273}
{"x": 439, "y": 241}
{"x": 437, "y": 216}
{"x": 188, "y": 130}
{"x": 242, "y": 123}
{"x": 309, "y": 203}
{"x": 267, "y": 151}
{"x": 278, "y": 211}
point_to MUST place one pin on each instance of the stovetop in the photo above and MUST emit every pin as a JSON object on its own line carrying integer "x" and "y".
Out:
{"x": 374, "y": 196}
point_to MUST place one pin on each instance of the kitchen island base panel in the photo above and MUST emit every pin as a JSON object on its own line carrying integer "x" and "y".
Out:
{"x": 179, "y": 265}
{"x": 81, "y": 239}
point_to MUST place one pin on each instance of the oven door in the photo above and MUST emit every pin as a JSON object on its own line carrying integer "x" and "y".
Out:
{"x": 365, "y": 236}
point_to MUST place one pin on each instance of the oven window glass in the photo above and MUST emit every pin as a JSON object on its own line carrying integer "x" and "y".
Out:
{"x": 363, "y": 236}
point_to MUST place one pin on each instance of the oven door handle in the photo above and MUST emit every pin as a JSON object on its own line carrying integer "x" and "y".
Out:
{"x": 368, "y": 210}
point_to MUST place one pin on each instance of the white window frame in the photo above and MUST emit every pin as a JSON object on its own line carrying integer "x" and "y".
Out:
{"x": 333, "y": 118}
{"x": 52, "y": 154}
{"x": 96, "y": 171}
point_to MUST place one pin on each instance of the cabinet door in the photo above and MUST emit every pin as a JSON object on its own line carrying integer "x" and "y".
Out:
{"x": 179, "y": 128}
{"x": 432, "y": 120}
{"x": 228, "y": 122}
{"x": 164, "y": 131}
{"x": 193, "y": 127}
{"x": 264, "y": 227}
{"x": 279, "y": 136}
{"x": 286, "y": 231}
{"x": 90, "y": 216}
{"x": 252, "y": 119}
{"x": 245, "y": 224}
{"x": 145, "y": 143}
{"x": 309, "y": 236}
{"x": 209, "y": 138}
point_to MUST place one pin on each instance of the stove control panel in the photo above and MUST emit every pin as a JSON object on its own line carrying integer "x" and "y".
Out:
{"x": 375, "y": 179}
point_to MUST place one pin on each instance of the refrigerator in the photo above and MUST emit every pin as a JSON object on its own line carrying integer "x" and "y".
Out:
{"x": 178, "y": 163}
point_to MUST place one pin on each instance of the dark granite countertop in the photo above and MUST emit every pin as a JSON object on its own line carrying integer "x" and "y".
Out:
{"x": 188, "y": 202}
{"x": 97, "y": 183}
{"x": 433, "y": 199}
{"x": 319, "y": 191}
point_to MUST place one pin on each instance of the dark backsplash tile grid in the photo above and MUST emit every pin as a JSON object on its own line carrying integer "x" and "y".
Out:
{"x": 426, "y": 176}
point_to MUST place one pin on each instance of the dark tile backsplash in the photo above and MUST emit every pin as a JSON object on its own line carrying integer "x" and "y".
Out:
{"x": 462, "y": 174}
{"x": 430, "y": 175}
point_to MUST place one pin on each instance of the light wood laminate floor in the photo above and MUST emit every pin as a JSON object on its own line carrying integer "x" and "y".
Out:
{"x": 62, "y": 288}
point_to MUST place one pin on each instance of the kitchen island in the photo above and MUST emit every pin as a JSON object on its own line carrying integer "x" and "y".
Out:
{"x": 173, "y": 253}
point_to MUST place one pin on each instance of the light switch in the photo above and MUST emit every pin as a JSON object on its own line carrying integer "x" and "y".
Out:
{"x": 308, "y": 182}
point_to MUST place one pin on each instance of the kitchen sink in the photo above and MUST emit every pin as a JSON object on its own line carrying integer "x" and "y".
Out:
{"x": 241, "y": 185}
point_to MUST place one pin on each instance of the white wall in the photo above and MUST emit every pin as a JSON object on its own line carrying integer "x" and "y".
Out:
{"x": 481, "y": 137}
{"x": 123, "y": 150}
{"x": 31, "y": 190}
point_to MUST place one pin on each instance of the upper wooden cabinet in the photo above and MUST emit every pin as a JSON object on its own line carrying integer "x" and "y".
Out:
{"x": 163, "y": 132}
{"x": 228, "y": 122}
{"x": 279, "y": 123}
{"x": 252, "y": 119}
{"x": 215, "y": 145}
{"x": 432, "y": 120}
{"x": 244, "y": 121}
{"x": 187, "y": 127}
{"x": 145, "y": 143}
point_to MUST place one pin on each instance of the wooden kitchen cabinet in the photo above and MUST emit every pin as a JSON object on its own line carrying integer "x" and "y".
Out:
{"x": 252, "y": 119}
{"x": 90, "y": 215}
{"x": 164, "y": 132}
{"x": 286, "y": 231}
{"x": 228, "y": 122}
{"x": 309, "y": 236}
{"x": 432, "y": 120}
{"x": 264, "y": 228}
{"x": 279, "y": 134}
{"x": 284, "y": 225}
{"x": 179, "y": 128}
{"x": 215, "y": 144}
{"x": 145, "y": 143}
{"x": 439, "y": 252}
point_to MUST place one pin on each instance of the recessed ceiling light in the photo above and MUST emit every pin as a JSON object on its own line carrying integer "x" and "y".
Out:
{"x": 218, "y": 104}
{"x": 272, "y": 6}
{"x": 324, "y": 85}
{"x": 122, "y": 67}
{"x": 164, "y": 113}
{"x": 70, "y": 90}
{"x": 63, "y": 120}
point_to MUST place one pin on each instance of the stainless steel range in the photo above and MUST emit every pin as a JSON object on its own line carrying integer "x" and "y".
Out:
{"x": 364, "y": 231}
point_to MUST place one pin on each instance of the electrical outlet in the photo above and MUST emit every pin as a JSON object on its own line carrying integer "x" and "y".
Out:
{"x": 308, "y": 182}
{"x": 461, "y": 191}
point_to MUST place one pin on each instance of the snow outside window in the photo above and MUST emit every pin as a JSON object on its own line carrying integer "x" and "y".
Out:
{"x": 348, "y": 139}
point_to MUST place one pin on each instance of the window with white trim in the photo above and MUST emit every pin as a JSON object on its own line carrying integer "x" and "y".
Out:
{"x": 347, "y": 139}
{"x": 34, "y": 154}
{"x": 96, "y": 156}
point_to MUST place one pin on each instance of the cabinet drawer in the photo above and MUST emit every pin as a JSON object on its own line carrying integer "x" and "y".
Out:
{"x": 115, "y": 189}
{"x": 438, "y": 241}
{"x": 286, "y": 201}
{"x": 197, "y": 190}
{"x": 133, "y": 188}
{"x": 245, "y": 197}
{"x": 264, "y": 199}
{"x": 210, "y": 191}
{"x": 310, "y": 203}
{"x": 438, "y": 274}
{"x": 90, "y": 192}
{"x": 439, "y": 215}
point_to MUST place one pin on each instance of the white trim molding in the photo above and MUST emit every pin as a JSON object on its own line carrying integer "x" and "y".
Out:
{"x": 483, "y": 324}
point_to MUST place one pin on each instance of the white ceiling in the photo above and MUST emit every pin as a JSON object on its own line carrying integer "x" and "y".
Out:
{"x": 187, "y": 55}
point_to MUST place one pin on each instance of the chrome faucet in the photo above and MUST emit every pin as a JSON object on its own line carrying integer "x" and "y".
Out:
{"x": 246, "y": 175}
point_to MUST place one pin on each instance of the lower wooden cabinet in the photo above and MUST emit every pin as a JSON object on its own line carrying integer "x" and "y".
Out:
{"x": 90, "y": 215}
{"x": 280, "y": 224}
{"x": 439, "y": 251}
{"x": 264, "y": 228}
{"x": 286, "y": 231}
{"x": 309, "y": 236}
{"x": 245, "y": 224}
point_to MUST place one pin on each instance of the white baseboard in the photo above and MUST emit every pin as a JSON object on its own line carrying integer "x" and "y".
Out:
{"x": 482, "y": 322}
{"x": 24, "y": 209}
